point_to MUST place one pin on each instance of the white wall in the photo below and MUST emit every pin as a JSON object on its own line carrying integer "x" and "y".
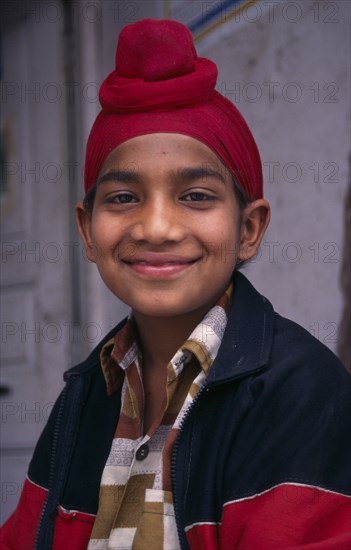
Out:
{"x": 35, "y": 270}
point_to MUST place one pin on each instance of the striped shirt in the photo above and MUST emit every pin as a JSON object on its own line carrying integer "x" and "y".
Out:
{"x": 135, "y": 503}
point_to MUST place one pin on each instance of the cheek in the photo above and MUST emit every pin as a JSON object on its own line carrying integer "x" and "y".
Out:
{"x": 103, "y": 232}
{"x": 224, "y": 232}
{"x": 227, "y": 245}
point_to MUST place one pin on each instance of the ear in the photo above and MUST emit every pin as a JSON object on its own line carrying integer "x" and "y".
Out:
{"x": 83, "y": 219}
{"x": 256, "y": 218}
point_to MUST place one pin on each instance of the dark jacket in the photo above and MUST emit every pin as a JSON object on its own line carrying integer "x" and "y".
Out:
{"x": 262, "y": 460}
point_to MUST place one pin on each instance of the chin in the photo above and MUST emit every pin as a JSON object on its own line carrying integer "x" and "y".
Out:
{"x": 161, "y": 303}
{"x": 159, "y": 311}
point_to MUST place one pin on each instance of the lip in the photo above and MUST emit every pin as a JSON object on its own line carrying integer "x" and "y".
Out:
{"x": 158, "y": 265}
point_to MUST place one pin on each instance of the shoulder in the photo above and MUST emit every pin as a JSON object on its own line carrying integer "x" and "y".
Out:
{"x": 295, "y": 349}
{"x": 303, "y": 381}
{"x": 294, "y": 368}
{"x": 259, "y": 340}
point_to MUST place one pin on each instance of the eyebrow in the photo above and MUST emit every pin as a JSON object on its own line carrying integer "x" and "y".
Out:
{"x": 189, "y": 174}
{"x": 201, "y": 173}
{"x": 127, "y": 176}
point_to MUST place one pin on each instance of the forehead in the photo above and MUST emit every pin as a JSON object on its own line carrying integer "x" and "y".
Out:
{"x": 163, "y": 149}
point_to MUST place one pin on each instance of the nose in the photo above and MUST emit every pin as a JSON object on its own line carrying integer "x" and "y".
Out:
{"x": 157, "y": 223}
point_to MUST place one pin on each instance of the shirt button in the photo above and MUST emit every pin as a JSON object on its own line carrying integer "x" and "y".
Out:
{"x": 142, "y": 452}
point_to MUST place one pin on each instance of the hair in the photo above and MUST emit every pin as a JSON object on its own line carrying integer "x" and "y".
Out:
{"x": 89, "y": 199}
{"x": 243, "y": 201}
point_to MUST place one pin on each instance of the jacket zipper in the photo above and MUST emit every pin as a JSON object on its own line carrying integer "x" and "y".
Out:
{"x": 182, "y": 539}
{"x": 56, "y": 431}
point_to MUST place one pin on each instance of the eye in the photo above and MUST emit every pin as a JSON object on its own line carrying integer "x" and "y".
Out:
{"x": 121, "y": 198}
{"x": 197, "y": 196}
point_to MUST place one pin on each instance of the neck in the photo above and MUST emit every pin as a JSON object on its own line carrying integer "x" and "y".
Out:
{"x": 161, "y": 337}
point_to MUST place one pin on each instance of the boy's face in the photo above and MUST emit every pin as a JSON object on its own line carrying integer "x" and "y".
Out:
{"x": 165, "y": 229}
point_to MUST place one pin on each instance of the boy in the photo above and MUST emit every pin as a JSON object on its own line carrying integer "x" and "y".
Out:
{"x": 204, "y": 420}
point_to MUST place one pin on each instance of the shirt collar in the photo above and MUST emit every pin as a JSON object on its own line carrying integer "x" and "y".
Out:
{"x": 204, "y": 342}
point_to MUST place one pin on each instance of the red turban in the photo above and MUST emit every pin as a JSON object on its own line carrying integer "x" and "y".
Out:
{"x": 161, "y": 85}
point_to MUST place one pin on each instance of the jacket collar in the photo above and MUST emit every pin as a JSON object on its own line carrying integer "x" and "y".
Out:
{"x": 248, "y": 337}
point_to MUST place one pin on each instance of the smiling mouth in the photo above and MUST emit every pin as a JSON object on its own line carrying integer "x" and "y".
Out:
{"x": 156, "y": 265}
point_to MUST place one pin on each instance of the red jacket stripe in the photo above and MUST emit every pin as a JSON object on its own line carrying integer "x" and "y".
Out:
{"x": 291, "y": 516}
{"x": 203, "y": 536}
{"x": 19, "y": 531}
{"x": 72, "y": 528}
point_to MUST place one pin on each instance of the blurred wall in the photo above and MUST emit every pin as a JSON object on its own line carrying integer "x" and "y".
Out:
{"x": 36, "y": 299}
